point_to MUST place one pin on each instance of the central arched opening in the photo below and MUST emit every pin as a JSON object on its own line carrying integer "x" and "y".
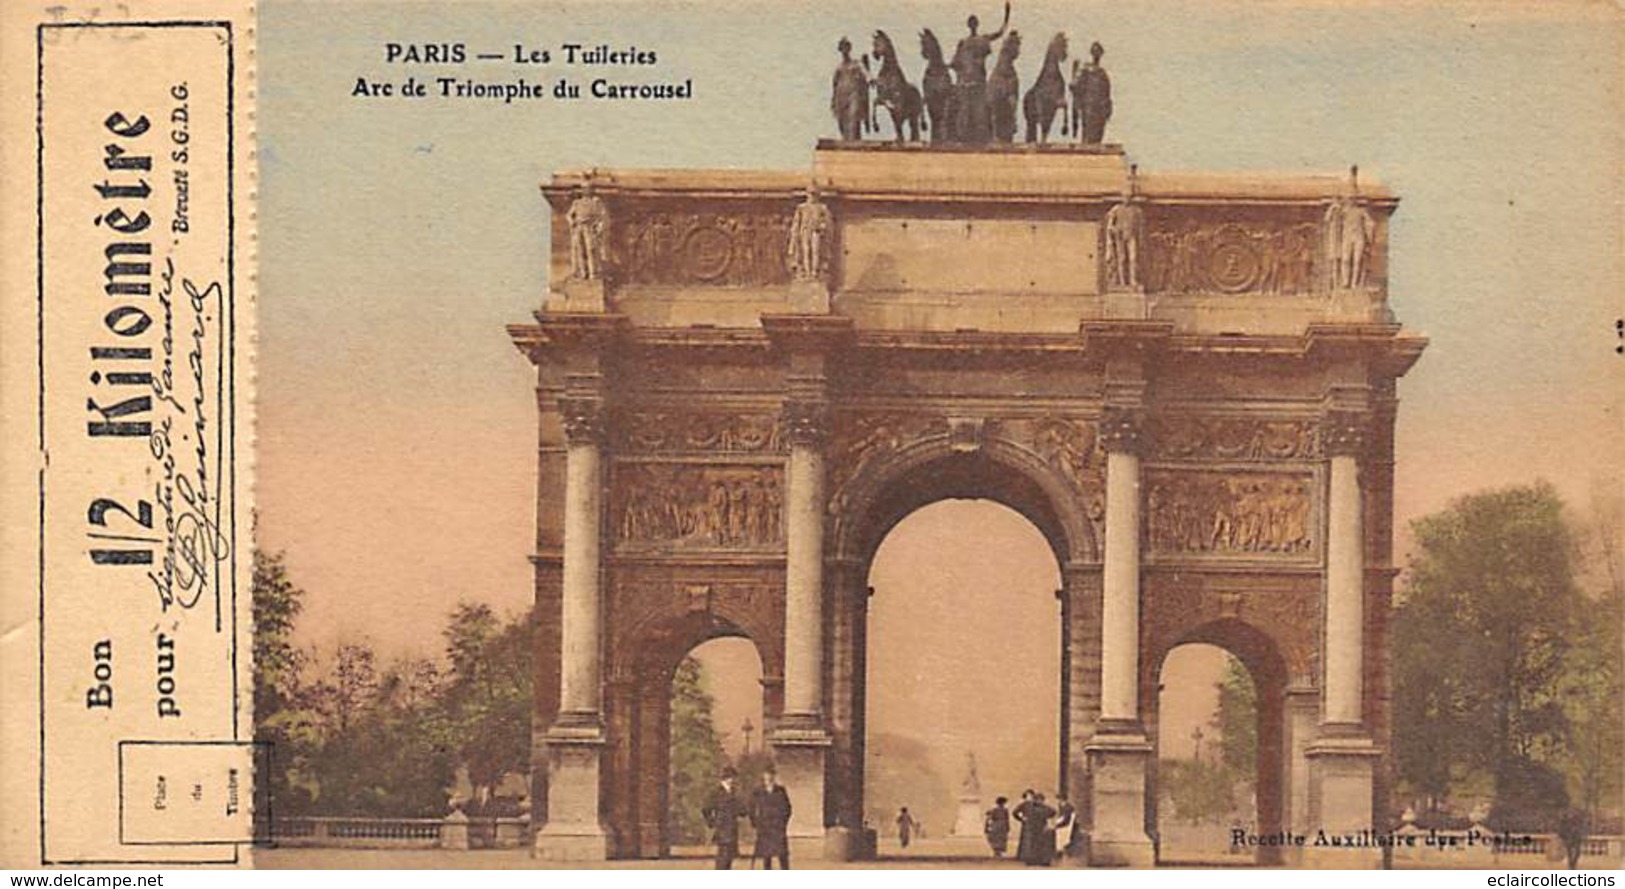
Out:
{"x": 963, "y": 679}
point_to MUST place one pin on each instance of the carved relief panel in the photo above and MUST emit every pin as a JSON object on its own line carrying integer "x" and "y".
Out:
{"x": 741, "y": 246}
{"x": 1187, "y": 254}
{"x": 1241, "y": 439}
{"x": 1236, "y": 514}
{"x": 1285, "y": 610}
{"x": 663, "y": 613}
{"x": 858, "y": 441}
{"x": 663, "y": 506}
{"x": 656, "y": 431}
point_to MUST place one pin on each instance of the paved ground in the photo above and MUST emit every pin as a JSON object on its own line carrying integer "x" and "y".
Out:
{"x": 924, "y": 854}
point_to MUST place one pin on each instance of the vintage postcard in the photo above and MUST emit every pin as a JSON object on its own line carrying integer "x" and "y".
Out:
{"x": 635, "y": 435}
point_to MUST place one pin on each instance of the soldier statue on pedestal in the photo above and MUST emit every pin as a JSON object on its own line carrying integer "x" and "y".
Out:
{"x": 588, "y": 219}
{"x": 807, "y": 252}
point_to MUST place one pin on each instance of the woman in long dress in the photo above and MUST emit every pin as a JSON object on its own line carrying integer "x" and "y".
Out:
{"x": 1066, "y": 816}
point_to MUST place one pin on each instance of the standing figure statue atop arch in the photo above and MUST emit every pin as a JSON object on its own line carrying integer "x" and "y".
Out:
{"x": 1091, "y": 97}
{"x": 849, "y": 95}
{"x": 975, "y": 120}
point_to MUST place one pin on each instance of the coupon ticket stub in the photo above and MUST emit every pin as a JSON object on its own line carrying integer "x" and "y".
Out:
{"x": 141, "y": 277}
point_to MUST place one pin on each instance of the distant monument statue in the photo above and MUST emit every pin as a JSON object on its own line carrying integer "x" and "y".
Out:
{"x": 1125, "y": 227}
{"x": 894, "y": 93}
{"x": 1347, "y": 230}
{"x": 588, "y": 219}
{"x": 975, "y": 123}
{"x": 1004, "y": 89}
{"x": 1091, "y": 98}
{"x": 808, "y": 249}
{"x": 937, "y": 87}
{"x": 1048, "y": 93}
{"x": 968, "y": 818}
{"x": 849, "y": 96}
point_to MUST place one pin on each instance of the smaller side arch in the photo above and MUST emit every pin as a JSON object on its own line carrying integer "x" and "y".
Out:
{"x": 1259, "y": 653}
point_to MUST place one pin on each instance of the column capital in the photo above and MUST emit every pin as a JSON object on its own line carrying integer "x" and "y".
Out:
{"x": 583, "y": 418}
{"x": 806, "y": 422}
{"x": 1122, "y": 428}
{"x": 1343, "y": 432}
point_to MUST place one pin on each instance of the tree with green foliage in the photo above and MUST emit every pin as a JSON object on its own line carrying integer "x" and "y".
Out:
{"x": 1236, "y": 720}
{"x": 696, "y": 753}
{"x": 486, "y": 698}
{"x": 1484, "y": 640}
{"x": 1201, "y": 791}
{"x": 281, "y": 721}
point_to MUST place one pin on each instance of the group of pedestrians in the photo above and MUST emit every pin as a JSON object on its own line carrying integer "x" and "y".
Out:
{"x": 1047, "y": 832}
{"x": 768, "y": 809}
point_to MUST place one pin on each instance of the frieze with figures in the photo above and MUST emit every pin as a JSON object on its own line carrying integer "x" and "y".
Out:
{"x": 676, "y": 431}
{"x": 661, "y": 506}
{"x": 858, "y": 441}
{"x": 1241, "y": 439}
{"x": 1188, "y": 256}
{"x": 1229, "y": 514}
{"x": 646, "y": 600}
{"x": 738, "y": 248}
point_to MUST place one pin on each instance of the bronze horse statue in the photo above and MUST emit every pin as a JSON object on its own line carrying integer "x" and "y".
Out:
{"x": 1004, "y": 88}
{"x": 938, "y": 88}
{"x": 1048, "y": 93}
{"x": 895, "y": 93}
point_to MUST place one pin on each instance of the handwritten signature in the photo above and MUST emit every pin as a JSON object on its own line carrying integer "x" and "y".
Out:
{"x": 194, "y": 546}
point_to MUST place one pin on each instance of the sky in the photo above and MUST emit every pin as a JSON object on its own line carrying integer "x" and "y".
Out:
{"x": 397, "y": 237}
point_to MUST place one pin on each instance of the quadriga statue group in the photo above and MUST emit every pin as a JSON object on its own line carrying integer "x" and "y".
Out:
{"x": 959, "y": 102}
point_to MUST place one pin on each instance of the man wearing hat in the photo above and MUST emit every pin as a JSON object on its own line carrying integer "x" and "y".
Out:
{"x": 722, "y": 813}
{"x": 770, "y": 813}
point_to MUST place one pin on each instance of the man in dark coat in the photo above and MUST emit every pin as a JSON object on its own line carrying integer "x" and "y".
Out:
{"x": 996, "y": 827}
{"x": 722, "y": 812}
{"x": 1037, "y": 844}
{"x": 770, "y": 814}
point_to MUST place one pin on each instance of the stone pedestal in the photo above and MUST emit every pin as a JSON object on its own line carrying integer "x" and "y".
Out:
{"x": 968, "y": 818}
{"x": 1341, "y": 773}
{"x": 1118, "y": 757}
{"x": 1302, "y": 715}
{"x": 454, "y": 832}
{"x": 809, "y": 297}
{"x": 577, "y": 295}
{"x": 1125, "y": 305}
{"x": 799, "y": 753}
{"x": 573, "y": 831}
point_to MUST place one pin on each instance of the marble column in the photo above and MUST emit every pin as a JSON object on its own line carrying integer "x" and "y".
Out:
{"x": 801, "y": 740}
{"x": 1345, "y": 580}
{"x": 1119, "y": 752}
{"x": 1120, "y": 601}
{"x": 1343, "y": 758}
{"x": 804, "y": 566}
{"x": 575, "y": 742}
